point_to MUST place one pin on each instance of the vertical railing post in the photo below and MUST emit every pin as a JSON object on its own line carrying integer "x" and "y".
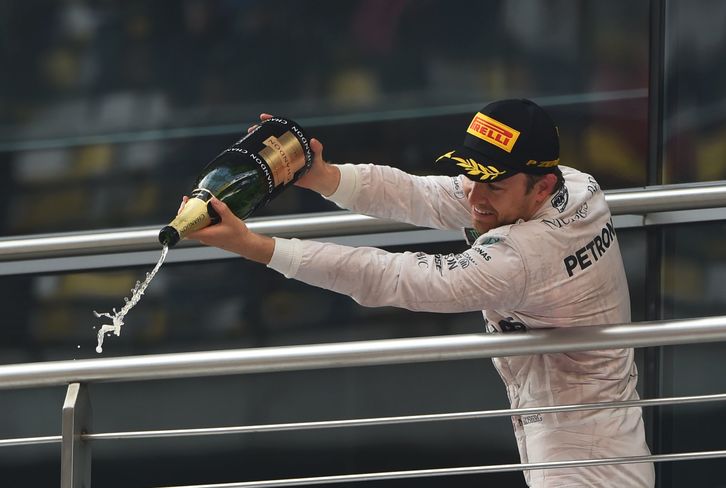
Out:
{"x": 75, "y": 452}
{"x": 657, "y": 431}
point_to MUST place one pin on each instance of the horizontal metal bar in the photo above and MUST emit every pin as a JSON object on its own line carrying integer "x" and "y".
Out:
{"x": 496, "y": 468}
{"x": 185, "y": 254}
{"x": 363, "y": 353}
{"x": 331, "y": 224}
{"x": 312, "y": 225}
{"x": 30, "y": 441}
{"x": 367, "y": 422}
{"x": 682, "y": 217}
{"x": 198, "y": 254}
{"x": 666, "y": 198}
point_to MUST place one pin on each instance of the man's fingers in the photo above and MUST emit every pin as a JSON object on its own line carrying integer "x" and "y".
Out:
{"x": 317, "y": 147}
{"x": 220, "y": 207}
{"x": 184, "y": 201}
{"x": 263, "y": 117}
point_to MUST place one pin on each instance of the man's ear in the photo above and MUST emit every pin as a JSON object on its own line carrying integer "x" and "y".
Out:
{"x": 546, "y": 185}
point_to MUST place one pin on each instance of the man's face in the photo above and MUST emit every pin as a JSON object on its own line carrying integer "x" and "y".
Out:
{"x": 502, "y": 202}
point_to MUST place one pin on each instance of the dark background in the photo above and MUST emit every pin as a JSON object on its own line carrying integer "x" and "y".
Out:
{"x": 109, "y": 108}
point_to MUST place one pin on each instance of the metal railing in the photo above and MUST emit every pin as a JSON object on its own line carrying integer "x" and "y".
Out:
{"x": 77, "y": 434}
{"x": 641, "y": 202}
{"x": 653, "y": 205}
{"x": 361, "y": 353}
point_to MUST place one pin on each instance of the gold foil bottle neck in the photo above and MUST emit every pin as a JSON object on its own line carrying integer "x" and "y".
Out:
{"x": 194, "y": 216}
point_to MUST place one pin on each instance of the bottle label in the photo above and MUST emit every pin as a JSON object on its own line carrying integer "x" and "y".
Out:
{"x": 284, "y": 156}
{"x": 194, "y": 216}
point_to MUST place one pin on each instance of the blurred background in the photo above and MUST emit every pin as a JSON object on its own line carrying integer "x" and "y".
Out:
{"x": 109, "y": 108}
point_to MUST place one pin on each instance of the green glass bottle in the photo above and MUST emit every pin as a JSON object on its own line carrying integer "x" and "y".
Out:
{"x": 245, "y": 176}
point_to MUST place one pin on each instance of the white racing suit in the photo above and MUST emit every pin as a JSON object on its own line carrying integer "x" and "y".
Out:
{"x": 561, "y": 268}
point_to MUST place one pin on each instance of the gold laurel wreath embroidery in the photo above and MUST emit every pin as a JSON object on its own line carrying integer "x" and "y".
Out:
{"x": 475, "y": 169}
{"x": 543, "y": 164}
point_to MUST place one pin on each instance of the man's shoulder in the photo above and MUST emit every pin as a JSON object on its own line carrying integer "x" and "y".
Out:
{"x": 579, "y": 201}
{"x": 579, "y": 181}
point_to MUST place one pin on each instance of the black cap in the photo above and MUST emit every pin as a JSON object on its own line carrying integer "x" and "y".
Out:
{"x": 505, "y": 138}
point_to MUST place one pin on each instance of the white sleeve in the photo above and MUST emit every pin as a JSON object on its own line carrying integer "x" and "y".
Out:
{"x": 382, "y": 191}
{"x": 286, "y": 256}
{"x": 348, "y": 187}
{"x": 490, "y": 277}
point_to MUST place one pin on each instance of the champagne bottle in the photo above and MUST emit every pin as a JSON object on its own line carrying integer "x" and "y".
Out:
{"x": 245, "y": 176}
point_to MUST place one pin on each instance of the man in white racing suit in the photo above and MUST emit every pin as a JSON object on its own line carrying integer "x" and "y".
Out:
{"x": 544, "y": 254}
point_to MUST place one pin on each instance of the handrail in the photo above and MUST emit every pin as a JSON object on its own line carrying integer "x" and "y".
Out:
{"x": 337, "y": 223}
{"x": 363, "y": 353}
{"x": 406, "y": 419}
{"x": 636, "y": 201}
{"x": 467, "y": 470}
{"x": 664, "y": 198}
{"x": 370, "y": 421}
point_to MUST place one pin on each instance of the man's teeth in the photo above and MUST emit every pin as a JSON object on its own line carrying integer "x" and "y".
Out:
{"x": 483, "y": 212}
